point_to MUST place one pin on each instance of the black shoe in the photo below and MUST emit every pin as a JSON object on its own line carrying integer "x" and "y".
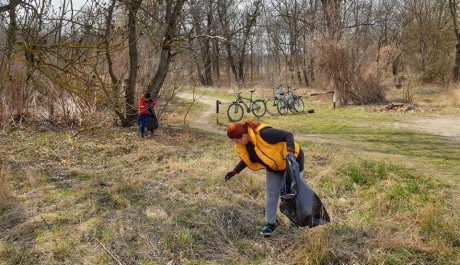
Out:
{"x": 268, "y": 230}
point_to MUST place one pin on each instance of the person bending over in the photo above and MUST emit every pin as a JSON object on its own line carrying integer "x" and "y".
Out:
{"x": 261, "y": 146}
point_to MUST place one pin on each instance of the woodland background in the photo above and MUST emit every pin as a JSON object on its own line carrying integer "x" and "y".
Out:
{"x": 78, "y": 185}
{"x": 64, "y": 60}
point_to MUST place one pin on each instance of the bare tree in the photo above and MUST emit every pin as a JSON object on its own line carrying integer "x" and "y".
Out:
{"x": 130, "y": 88}
{"x": 428, "y": 39}
{"x": 237, "y": 21}
{"x": 332, "y": 18}
{"x": 10, "y": 8}
{"x": 453, "y": 7}
{"x": 172, "y": 15}
{"x": 74, "y": 60}
{"x": 202, "y": 20}
{"x": 294, "y": 26}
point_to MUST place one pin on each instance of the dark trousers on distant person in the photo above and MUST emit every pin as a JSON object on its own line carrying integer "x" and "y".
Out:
{"x": 142, "y": 123}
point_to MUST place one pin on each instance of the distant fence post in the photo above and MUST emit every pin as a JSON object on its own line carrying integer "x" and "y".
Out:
{"x": 217, "y": 110}
{"x": 329, "y": 92}
{"x": 333, "y": 99}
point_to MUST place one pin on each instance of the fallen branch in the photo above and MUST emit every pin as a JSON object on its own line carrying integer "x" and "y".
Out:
{"x": 110, "y": 253}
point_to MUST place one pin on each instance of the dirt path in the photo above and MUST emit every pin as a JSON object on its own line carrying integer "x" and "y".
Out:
{"x": 202, "y": 122}
{"x": 448, "y": 126}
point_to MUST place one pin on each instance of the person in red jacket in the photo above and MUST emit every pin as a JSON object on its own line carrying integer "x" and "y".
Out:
{"x": 146, "y": 103}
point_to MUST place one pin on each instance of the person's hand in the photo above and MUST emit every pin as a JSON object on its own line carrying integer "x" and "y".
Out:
{"x": 229, "y": 175}
{"x": 290, "y": 152}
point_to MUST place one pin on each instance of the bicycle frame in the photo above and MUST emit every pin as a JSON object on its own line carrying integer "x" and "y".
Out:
{"x": 236, "y": 110}
{"x": 289, "y": 101}
{"x": 289, "y": 95}
{"x": 240, "y": 99}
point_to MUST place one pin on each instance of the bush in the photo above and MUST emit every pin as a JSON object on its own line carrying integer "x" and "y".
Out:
{"x": 355, "y": 79}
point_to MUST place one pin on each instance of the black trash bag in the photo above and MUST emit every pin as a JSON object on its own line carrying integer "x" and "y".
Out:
{"x": 152, "y": 121}
{"x": 298, "y": 201}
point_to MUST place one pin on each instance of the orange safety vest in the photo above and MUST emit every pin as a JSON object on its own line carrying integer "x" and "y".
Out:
{"x": 273, "y": 155}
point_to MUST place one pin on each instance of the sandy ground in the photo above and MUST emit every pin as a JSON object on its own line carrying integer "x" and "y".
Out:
{"x": 448, "y": 126}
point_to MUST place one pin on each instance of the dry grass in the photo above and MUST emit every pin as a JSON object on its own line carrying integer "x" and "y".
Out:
{"x": 102, "y": 196}
{"x": 6, "y": 196}
{"x": 452, "y": 97}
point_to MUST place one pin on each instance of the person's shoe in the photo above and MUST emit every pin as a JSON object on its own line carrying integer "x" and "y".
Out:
{"x": 268, "y": 230}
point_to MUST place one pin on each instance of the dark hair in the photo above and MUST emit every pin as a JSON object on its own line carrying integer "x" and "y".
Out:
{"x": 146, "y": 95}
{"x": 237, "y": 129}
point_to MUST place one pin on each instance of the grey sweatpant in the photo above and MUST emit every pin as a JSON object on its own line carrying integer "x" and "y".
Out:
{"x": 273, "y": 187}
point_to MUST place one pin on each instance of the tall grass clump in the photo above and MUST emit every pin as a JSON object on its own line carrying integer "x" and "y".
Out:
{"x": 6, "y": 195}
{"x": 403, "y": 215}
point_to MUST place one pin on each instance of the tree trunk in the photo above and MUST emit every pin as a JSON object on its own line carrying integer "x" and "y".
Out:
{"x": 231, "y": 61}
{"x": 114, "y": 82}
{"x": 456, "y": 68}
{"x": 207, "y": 49}
{"x": 216, "y": 60}
{"x": 204, "y": 63}
{"x": 11, "y": 9}
{"x": 173, "y": 12}
{"x": 130, "y": 88}
{"x": 199, "y": 73}
{"x": 453, "y": 13}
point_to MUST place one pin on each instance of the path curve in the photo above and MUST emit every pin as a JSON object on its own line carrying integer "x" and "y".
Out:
{"x": 202, "y": 122}
{"x": 448, "y": 126}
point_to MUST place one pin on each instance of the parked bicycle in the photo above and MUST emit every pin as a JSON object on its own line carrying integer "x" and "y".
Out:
{"x": 235, "y": 111}
{"x": 272, "y": 102}
{"x": 290, "y": 101}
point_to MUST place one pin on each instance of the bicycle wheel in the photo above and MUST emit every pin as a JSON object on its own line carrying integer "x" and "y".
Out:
{"x": 259, "y": 108}
{"x": 298, "y": 104}
{"x": 282, "y": 107}
{"x": 235, "y": 112}
{"x": 270, "y": 104}
{"x": 290, "y": 105}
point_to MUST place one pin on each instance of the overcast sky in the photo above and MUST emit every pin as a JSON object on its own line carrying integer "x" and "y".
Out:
{"x": 77, "y": 4}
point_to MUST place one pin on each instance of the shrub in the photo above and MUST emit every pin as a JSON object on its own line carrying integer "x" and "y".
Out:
{"x": 356, "y": 79}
